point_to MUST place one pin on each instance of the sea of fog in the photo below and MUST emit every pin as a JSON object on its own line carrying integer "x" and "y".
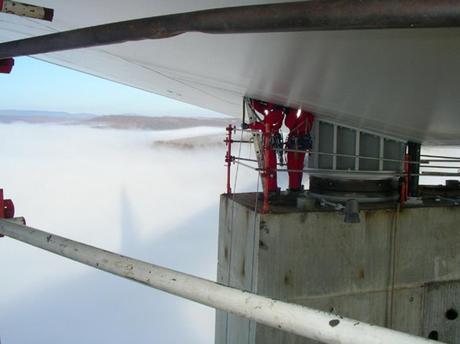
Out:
{"x": 116, "y": 190}
{"x": 113, "y": 189}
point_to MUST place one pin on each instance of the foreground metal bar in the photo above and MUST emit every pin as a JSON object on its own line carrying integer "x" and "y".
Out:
{"x": 284, "y": 17}
{"x": 303, "y": 321}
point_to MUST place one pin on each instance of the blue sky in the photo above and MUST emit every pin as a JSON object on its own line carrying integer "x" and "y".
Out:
{"x": 37, "y": 85}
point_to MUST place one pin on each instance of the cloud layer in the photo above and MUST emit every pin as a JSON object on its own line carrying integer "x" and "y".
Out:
{"x": 112, "y": 189}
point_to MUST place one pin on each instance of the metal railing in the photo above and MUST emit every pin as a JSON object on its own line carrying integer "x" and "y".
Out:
{"x": 425, "y": 163}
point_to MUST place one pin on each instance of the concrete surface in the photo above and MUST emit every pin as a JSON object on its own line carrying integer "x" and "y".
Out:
{"x": 397, "y": 268}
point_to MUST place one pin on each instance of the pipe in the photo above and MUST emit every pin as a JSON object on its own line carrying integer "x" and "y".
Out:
{"x": 303, "y": 321}
{"x": 284, "y": 17}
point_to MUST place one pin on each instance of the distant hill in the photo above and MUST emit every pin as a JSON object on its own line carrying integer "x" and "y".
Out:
{"x": 127, "y": 122}
{"x": 130, "y": 122}
{"x": 156, "y": 123}
{"x": 205, "y": 141}
{"x": 10, "y": 116}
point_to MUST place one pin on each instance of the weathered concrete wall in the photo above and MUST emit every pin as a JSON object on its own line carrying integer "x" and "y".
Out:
{"x": 374, "y": 271}
{"x": 237, "y": 259}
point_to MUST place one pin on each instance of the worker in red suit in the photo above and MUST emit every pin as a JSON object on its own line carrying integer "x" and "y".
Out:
{"x": 299, "y": 123}
{"x": 273, "y": 115}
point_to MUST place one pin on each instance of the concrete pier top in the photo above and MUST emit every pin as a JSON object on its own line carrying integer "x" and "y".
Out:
{"x": 285, "y": 203}
{"x": 399, "y": 267}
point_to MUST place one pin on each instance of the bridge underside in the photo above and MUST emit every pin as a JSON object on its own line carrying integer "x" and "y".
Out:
{"x": 397, "y": 82}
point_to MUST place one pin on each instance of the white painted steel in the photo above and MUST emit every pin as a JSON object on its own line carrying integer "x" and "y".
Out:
{"x": 381, "y": 152}
{"x": 303, "y": 321}
{"x": 18, "y": 220}
{"x": 402, "y": 83}
{"x": 334, "y": 147}
{"x": 21, "y": 9}
{"x": 357, "y": 152}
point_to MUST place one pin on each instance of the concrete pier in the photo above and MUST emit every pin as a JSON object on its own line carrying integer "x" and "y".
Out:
{"x": 398, "y": 268}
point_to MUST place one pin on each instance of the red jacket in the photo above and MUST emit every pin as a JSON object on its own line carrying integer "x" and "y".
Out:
{"x": 273, "y": 115}
{"x": 299, "y": 125}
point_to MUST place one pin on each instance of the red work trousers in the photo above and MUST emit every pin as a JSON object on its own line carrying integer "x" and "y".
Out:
{"x": 295, "y": 161}
{"x": 272, "y": 178}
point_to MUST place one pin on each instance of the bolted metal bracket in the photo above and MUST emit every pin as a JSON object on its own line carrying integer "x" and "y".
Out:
{"x": 26, "y": 10}
{"x": 6, "y": 65}
{"x": 6, "y": 208}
